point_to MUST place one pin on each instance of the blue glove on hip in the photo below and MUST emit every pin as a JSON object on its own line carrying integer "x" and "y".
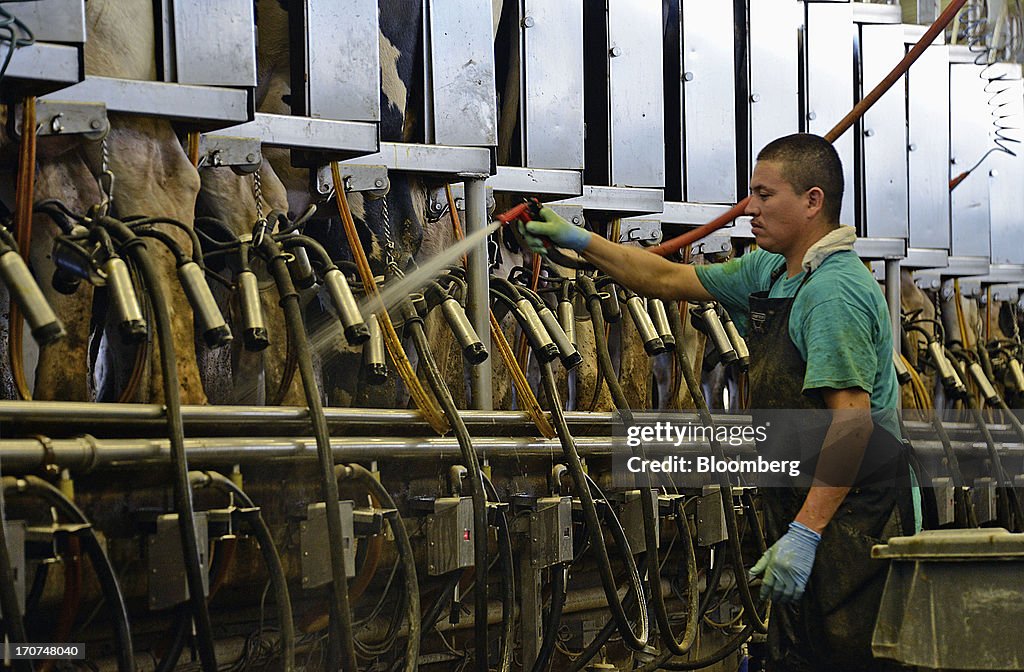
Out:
{"x": 787, "y": 564}
{"x": 556, "y": 229}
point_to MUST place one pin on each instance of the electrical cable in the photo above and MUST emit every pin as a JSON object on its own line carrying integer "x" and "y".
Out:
{"x": 135, "y": 248}
{"x": 253, "y": 518}
{"x": 341, "y": 615}
{"x": 647, "y": 502}
{"x": 405, "y": 553}
{"x": 105, "y": 575}
{"x": 508, "y": 600}
{"x": 414, "y": 326}
{"x": 758, "y": 623}
{"x": 630, "y": 639}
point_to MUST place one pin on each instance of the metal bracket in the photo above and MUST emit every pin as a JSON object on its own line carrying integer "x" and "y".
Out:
{"x": 372, "y": 179}
{"x": 16, "y": 537}
{"x": 550, "y": 532}
{"x": 449, "y": 533}
{"x": 243, "y": 155}
{"x": 631, "y": 515}
{"x": 59, "y": 117}
{"x": 711, "y": 517}
{"x": 643, "y": 231}
{"x": 316, "y": 550}
{"x": 167, "y": 583}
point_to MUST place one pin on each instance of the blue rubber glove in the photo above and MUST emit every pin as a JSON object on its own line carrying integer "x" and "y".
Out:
{"x": 787, "y": 564}
{"x": 555, "y": 228}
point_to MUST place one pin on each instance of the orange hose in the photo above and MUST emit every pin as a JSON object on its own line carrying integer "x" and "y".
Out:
{"x": 674, "y": 244}
{"x": 24, "y": 196}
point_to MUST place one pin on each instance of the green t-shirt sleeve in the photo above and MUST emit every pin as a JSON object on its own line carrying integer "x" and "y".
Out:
{"x": 837, "y": 341}
{"x": 732, "y": 282}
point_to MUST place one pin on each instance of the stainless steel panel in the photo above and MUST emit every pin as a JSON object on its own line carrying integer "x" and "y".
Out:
{"x": 869, "y": 12}
{"x": 637, "y": 123}
{"x": 829, "y": 94}
{"x": 215, "y": 42}
{"x": 970, "y": 122}
{"x": 553, "y": 83}
{"x": 709, "y": 101}
{"x": 51, "y": 20}
{"x": 201, "y": 106}
{"x": 342, "y": 60}
{"x": 282, "y": 130}
{"x": 433, "y": 159}
{"x": 774, "y": 71}
{"x": 618, "y": 201}
{"x": 928, "y": 145}
{"x": 1006, "y": 172}
{"x": 465, "y": 109}
{"x": 168, "y": 584}
{"x": 529, "y": 180}
{"x": 38, "y": 68}
{"x": 880, "y": 248}
{"x": 883, "y": 169}
{"x": 16, "y": 531}
{"x": 316, "y": 550}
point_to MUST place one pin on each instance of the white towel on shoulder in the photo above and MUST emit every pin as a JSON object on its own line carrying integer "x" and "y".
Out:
{"x": 837, "y": 240}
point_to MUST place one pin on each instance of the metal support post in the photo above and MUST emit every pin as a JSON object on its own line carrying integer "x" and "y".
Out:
{"x": 892, "y": 297}
{"x": 479, "y": 300}
{"x": 530, "y": 606}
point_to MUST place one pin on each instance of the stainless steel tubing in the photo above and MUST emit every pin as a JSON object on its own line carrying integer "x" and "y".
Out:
{"x": 478, "y": 305}
{"x": 87, "y": 453}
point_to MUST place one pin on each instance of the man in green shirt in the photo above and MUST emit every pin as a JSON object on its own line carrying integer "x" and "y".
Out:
{"x": 821, "y": 343}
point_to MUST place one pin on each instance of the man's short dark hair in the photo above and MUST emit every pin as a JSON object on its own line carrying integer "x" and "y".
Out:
{"x": 809, "y": 161}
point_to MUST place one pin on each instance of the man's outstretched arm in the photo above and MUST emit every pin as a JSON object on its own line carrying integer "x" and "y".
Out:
{"x": 645, "y": 273}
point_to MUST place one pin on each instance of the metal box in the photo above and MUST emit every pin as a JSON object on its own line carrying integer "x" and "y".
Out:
{"x": 828, "y": 91}
{"x": 632, "y": 518}
{"x": 461, "y": 105}
{"x": 983, "y": 493}
{"x": 168, "y": 585}
{"x": 551, "y": 532}
{"x": 970, "y": 121}
{"x": 945, "y": 508}
{"x": 316, "y": 549}
{"x": 52, "y": 20}
{"x": 881, "y": 187}
{"x": 624, "y": 100}
{"x": 708, "y": 82}
{"x": 337, "y": 70}
{"x": 15, "y": 530}
{"x": 711, "y": 517}
{"x": 552, "y": 83}
{"x": 214, "y": 42}
{"x": 450, "y": 535}
{"x": 774, "y": 92}
{"x": 952, "y": 600}
{"x": 1006, "y": 172}
{"x": 928, "y": 144}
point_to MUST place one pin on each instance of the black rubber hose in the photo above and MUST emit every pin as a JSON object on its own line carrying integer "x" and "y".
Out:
{"x": 276, "y": 259}
{"x": 178, "y": 639}
{"x": 271, "y": 560}
{"x": 14, "y": 623}
{"x": 962, "y": 501}
{"x": 1011, "y": 503}
{"x": 508, "y": 582}
{"x": 553, "y": 620}
{"x": 572, "y": 458}
{"x": 414, "y": 327}
{"x": 758, "y": 622}
{"x": 647, "y": 501}
{"x": 662, "y": 662}
{"x": 405, "y": 554}
{"x": 136, "y": 249}
{"x": 109, "y": 586}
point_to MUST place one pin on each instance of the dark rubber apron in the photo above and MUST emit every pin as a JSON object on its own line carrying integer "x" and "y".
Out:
{"x": 830, "y": 627}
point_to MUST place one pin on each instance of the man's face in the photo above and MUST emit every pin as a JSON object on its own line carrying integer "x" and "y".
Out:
{"x": 779, "y": 213}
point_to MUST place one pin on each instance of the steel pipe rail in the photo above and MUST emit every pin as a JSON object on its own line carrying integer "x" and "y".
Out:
{"x": 88, "y": 453}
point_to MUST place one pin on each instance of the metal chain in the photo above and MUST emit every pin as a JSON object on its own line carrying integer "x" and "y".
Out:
{"x": 389, "y": 243}
{"x": 105, "y": 180}
{"x": 260, "y": 227}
